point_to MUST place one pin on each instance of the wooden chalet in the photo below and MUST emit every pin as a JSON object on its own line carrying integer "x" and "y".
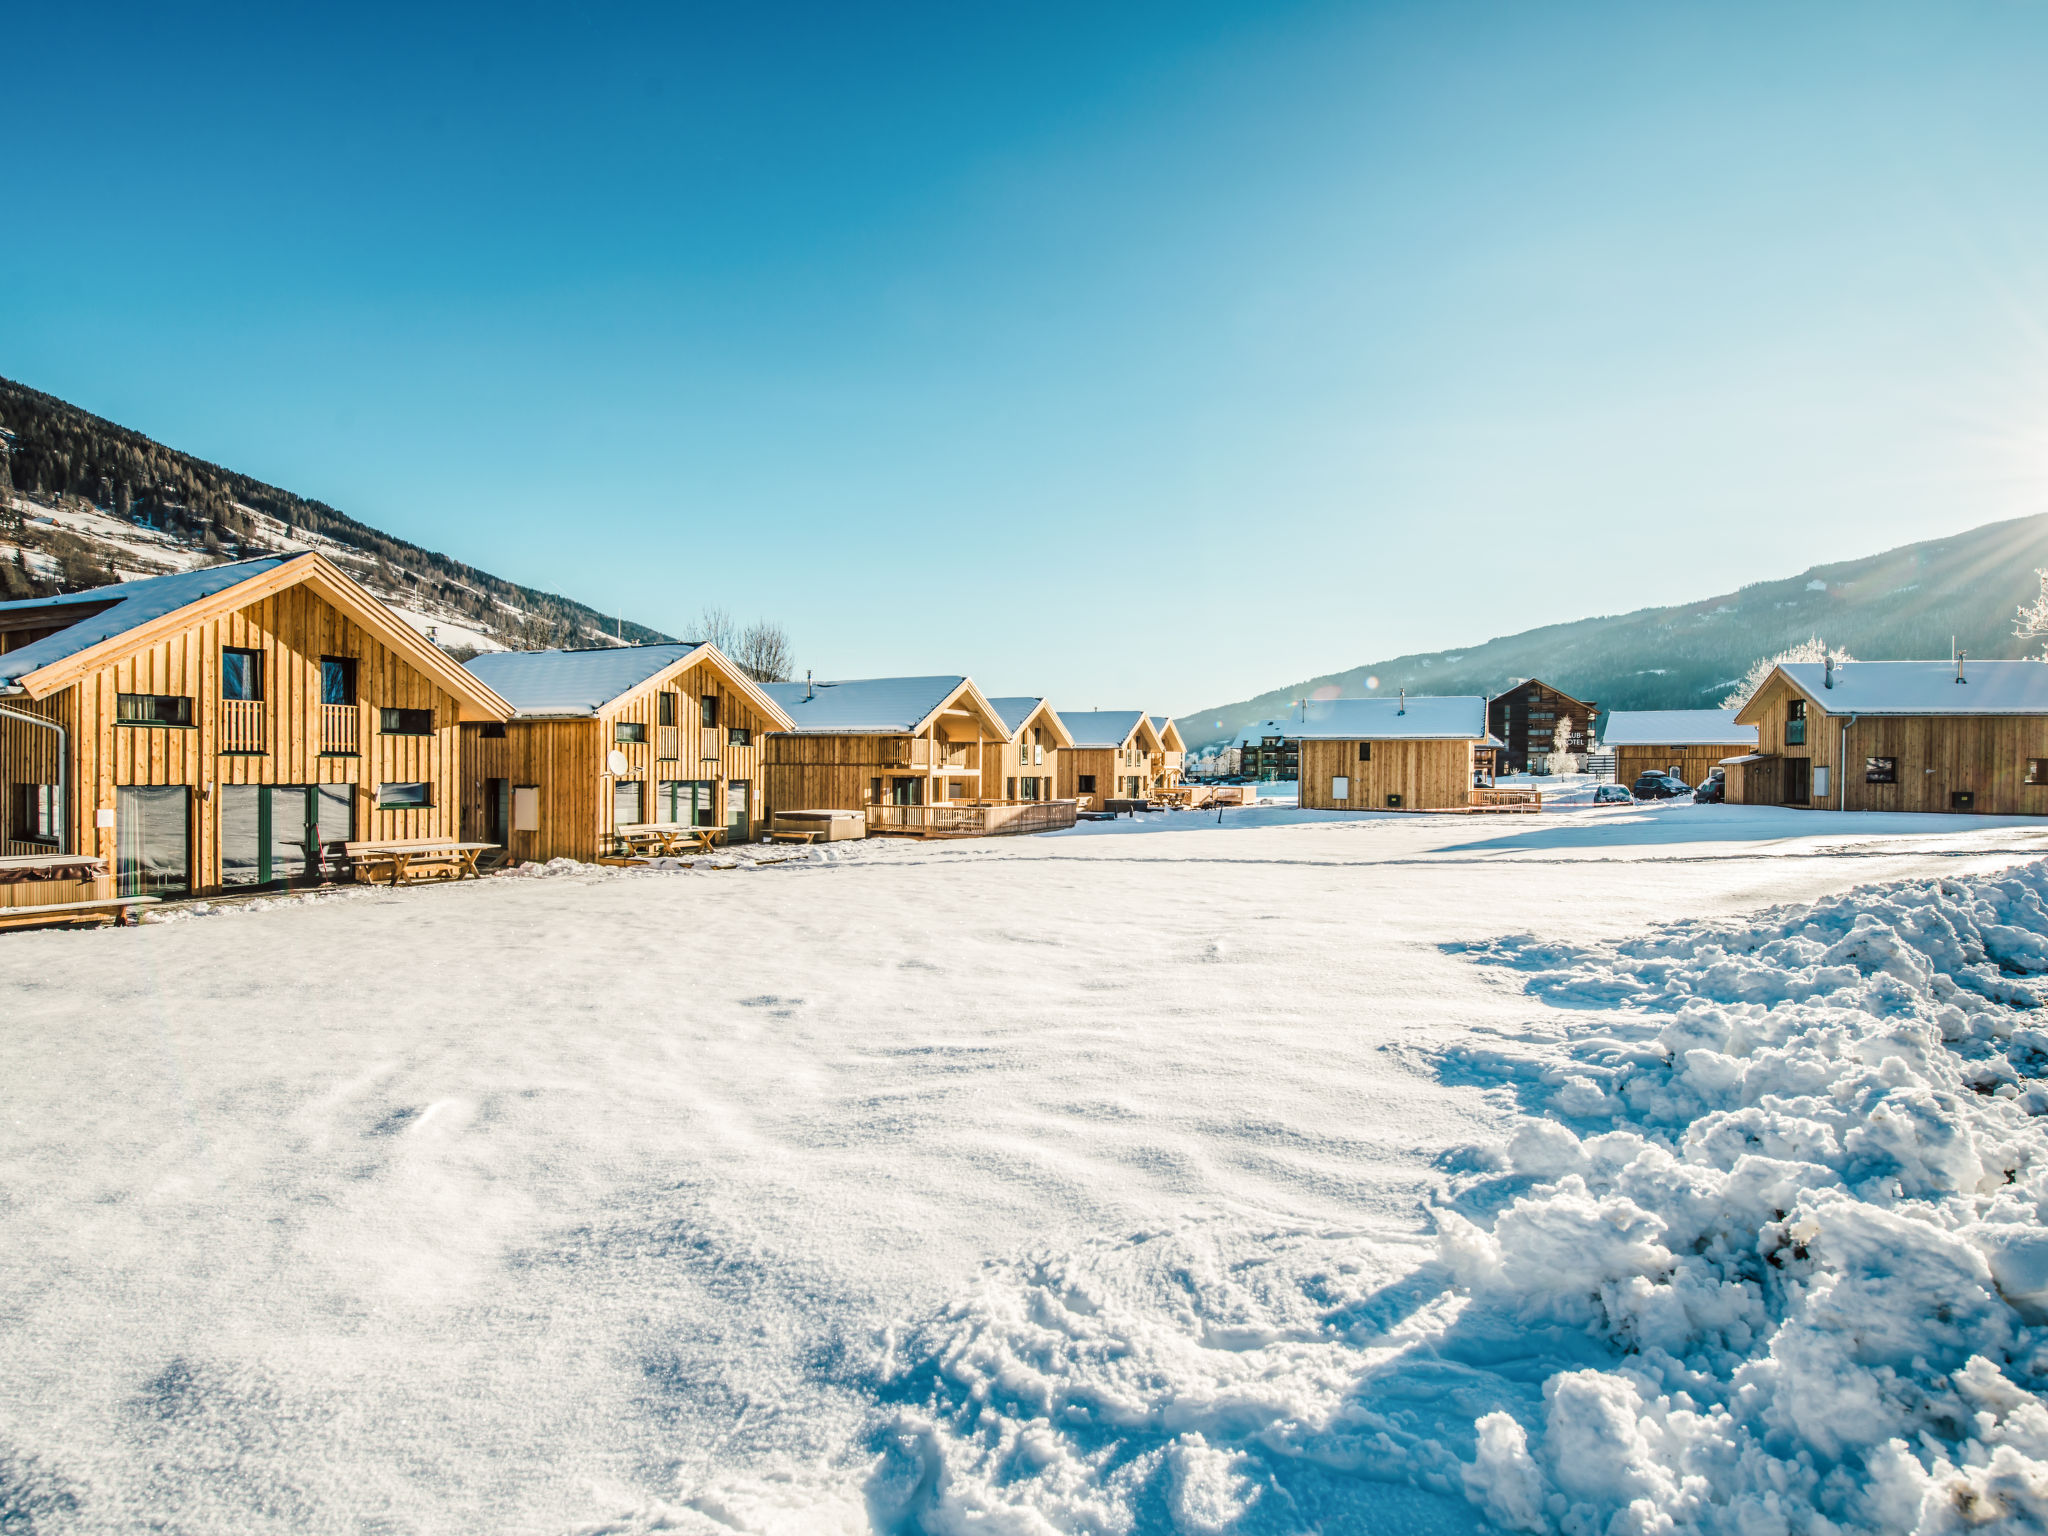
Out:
{"x": 1169, "y": 763}
{"x": 1525, "y": 719}
{"x": 618, "y": 736}
{"x": 1027, "y": 767}
{"x": 231, "y": 726}
{"x": 912, "y": 754}
{"x": 1401, "y": 754}
{"x": 1685, "y": 742}
{"x": 1112, "y": 757}
{"x": 1898, "y": 736}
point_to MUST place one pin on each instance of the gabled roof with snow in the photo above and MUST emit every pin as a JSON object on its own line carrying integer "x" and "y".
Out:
{"x": 1922, "y": 687}
{"x": 1427, "y": 718}
{"x": 1016, "y": 710}
{"x": 1103, "y": 728}
{"x": 1676, "y": 728}
{"x": 107, "y": 612}
{"x": 865, "y": 706}
{"x": 559, "y": 684}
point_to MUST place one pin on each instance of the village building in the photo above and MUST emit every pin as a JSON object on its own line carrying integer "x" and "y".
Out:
{"x": 1525, "y": 720}
{"x": 232, "y": 726}
{"x": 610, "y": 738}
{"x": 1269, "y": 750}
{"x": 1685, "y": 742}
{"x": 1898, "y": 736}
{"x": 1399, "y": 754}
{"x": 1027, "y": 766}
{"x": 912, "y": 754}
{"x": 1169, "y": 763}
{"x": 1111, "y": 758}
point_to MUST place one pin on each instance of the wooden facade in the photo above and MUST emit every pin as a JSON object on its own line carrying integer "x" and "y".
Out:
{"x": 1026, "y": 766}
{"x": 1169, "y": 763}
{"x": 224, "y": 771}
{"x": 1689, "y": 760}
{"x": 1092, "y": 774}
{"x": 1835, "y": 760}
{"x": 1525, "y": 719}
{"x": 1386, "y": 775}
{"x": 950, "y": 755}
{"x": 549, "y": 788}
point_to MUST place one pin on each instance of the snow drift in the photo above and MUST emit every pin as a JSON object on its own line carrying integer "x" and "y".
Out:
{"x": 1764, "y": 1254}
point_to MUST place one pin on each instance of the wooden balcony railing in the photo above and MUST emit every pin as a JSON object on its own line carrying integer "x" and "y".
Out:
{"x": 972, "y": 818}
{"x": 668, "y": 742}
{"x": 241, "y": 725}
{"x": 341, "y": 728}
{"x": 711, "y": 742}
{"x": 906, "y": 752}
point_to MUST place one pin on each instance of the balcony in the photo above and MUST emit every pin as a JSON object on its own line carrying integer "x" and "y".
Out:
{"x": 968, "y": 818}
{"x": 341, "y": 730}
{"x": 710, "y": 743}
{"x": 668, "y": 742}
{"x": 241, "y": 727}
{"x": 906, "y": 752}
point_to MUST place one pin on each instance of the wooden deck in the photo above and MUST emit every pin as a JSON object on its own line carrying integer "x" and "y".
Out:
{"x": 968, "y": 818}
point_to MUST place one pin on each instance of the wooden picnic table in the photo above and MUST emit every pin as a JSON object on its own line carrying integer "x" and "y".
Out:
{"x": 668, "y": 838}
{"x": 20, "y": 868}
{"x": 416, "y": 859}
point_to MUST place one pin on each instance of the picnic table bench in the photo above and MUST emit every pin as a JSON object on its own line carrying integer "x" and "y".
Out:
{"x": 667, "y": 838}
{"x": 414, "y": 859}
{"x": 118, "y": 910}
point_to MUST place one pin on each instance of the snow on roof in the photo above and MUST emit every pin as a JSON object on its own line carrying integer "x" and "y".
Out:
{"x": 1015, "y": 711}
{"x": 557, "y": 683}
{"x": 1675, "y": 728}
{"x": 127, "y": 605}
{"x": 1100, "y": 728}
{"x": 1449, "y": 718}
{"x": 864, "y": 706}
{"x": 1926, "y": 687}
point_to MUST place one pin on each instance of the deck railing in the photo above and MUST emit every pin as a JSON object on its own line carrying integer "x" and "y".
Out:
{"x": 668, "y": 742}
{"x": 341, "y": 729}
{"x": 241, "y": 725}
{"x": 966, "y": 818}
{"x": 1505, "y": 799}
{"x": 710, "y": 742}
{"x": 906, "y": 752}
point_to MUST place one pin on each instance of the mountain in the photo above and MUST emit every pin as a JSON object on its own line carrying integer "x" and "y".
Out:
{"x": 1908, "y": 603}
{"x": 93, "y": 502}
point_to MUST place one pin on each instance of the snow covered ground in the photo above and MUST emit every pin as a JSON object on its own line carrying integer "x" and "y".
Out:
{"x": 1290, "y": 1171}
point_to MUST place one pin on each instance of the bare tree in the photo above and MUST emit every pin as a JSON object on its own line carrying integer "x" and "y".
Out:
{"x": 716, "y": 627}
{"x": 2032, "y": 621}
{"x": 1812, "y": 648}
{"x": 1561, "y": 757}
{"x": 760, "y": 649}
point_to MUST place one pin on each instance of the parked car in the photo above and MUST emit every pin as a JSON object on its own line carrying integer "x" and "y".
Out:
{"x": 1661, "y": 786}
{"x": 1713, "y": 792}
{"x": 1613, "y": 794}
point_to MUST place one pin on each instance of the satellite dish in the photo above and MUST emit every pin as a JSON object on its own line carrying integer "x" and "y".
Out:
{"x": 618, "y": 764}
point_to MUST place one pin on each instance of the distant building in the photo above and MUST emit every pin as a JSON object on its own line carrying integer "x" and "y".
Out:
{"x": 1687, "y": 742}
{"x": 1525, "y": 719}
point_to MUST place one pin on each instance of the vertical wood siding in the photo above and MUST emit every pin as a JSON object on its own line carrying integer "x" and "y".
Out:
{"x": 1427, "y": 775}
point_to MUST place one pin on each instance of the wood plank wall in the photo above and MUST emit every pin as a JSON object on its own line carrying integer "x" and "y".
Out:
{"x": 834, "y": 772}
{"x": 568, "y": 761}
{"x": 1427, "y": 775}
{"x": 1110, "y": 768}
{"x": 1936, "y": 755}
{"x": 1002, "y": 767}
{"x": 292, "y": 629}
{"x": 1694, "y": 763}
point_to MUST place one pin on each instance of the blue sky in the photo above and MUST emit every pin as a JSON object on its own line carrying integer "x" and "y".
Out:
{"x": 1145, "y": 355}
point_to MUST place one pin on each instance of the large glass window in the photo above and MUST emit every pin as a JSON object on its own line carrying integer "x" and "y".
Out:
{"x": 1795, "y": 723}
{"x": 337, "y": 679}
{"x": 241, "y": 674}
{"x": 35, "y": 813}
{"x": 738, "y": 810}
{"x": 404, "y": 797}
{"x": 685, "y": 802}
{"x": 272, "y": 832}
{"x": 153, "y": 839}
{"x": 627, "y": 802}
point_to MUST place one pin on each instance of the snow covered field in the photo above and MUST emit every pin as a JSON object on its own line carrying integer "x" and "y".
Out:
{"x": 1299, "y": 1172}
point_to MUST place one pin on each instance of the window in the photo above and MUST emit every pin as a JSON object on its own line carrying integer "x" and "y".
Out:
{"x": 35, "y": 813}
{"x": 626, "y": 802}
{"x": 630, "y": 731}
{"x": 1820, "y": 781}
{"x": 1009, "y": 789}
{"x": 1885, "y": 770}
{"x": 708, "y": 710}
{"x": 404, "y": 797}
{"x": 337, "y": 679}
{"x": 492, "y": 730}
{"x": 241, "y": 674}
{"x": 1365, "y": 751}
{"x": 739, "y": 736}
{"x": 665, "y": 709}
{"x": 406, "y": 722}
{"x": 2037, "y": 770}
{"x": 1030, "y": 790}
{"x": 1795, "y": 723}
{"x": 153, "y": 709}
{"x": 874, "y": 791}
{"x": 685, "y": 802}
{"x": 956, "y": 790}
{"x": 1084, "y": 783}
{"x": 1340, "y": 788}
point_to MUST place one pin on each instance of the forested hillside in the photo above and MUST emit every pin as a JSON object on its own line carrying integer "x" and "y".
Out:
{"x": 1907, "y": 603}
{"x": 103, "y": 503}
